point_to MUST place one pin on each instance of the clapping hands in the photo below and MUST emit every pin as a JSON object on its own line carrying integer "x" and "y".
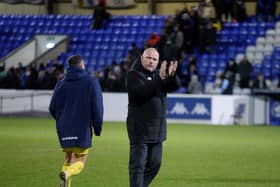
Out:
{"x": 163, "y": 73}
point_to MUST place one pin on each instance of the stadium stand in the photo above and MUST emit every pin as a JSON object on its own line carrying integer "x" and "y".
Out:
{"x": 97, "y": 46}
{"x": 259, "y": 41}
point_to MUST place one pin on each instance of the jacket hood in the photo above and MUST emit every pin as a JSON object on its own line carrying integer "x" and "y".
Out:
{"x": 74, "y": 73}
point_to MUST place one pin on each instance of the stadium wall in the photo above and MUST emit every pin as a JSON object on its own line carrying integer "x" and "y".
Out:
{"x": 24, "y": 54}
{"x": 141, "y": 8}
{"x": 182, "y": 108}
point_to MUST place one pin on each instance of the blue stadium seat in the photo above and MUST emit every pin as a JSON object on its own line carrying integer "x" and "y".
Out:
{"x": 203, "y": 71}
{"x": 211, "y": 77}
{"x": 266, "y": 73}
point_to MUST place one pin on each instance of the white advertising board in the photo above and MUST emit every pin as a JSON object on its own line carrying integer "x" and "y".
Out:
{"x": 182, "y": 108}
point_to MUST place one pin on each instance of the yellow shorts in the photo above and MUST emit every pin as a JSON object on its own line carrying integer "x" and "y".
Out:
{"x": 76, "y": 150}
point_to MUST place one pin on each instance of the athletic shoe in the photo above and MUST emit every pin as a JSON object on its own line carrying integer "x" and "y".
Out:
{"x": 64, "y": 179}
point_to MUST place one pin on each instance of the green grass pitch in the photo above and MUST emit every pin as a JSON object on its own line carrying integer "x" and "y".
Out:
{"x": 194, "y": 155}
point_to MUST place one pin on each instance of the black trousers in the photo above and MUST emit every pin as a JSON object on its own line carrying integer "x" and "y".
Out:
{"x": 144, "y": 163}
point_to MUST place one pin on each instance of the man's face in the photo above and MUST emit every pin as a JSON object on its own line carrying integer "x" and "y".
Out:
{"x": 150, "y": 59}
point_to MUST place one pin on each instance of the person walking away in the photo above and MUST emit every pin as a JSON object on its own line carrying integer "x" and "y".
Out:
{"x": 77, "y": 107}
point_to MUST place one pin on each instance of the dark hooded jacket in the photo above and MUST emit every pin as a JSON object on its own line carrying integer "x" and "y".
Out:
{"x": 77, "y": 106}
{"x": 146, "y": 119}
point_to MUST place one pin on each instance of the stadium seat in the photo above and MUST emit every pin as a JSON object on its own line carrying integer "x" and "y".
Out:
{"x": 277, "y": 42}
{"x": 277, "y": 25}
{"x": 270, "y": 33}
{"x": 268, "y": 49}
{"x": 259, "y": 48}
{"x": 251, "y": 49}
{"x": 277, "y": 32}
{"x": 258, "y": 58}
{"x": 239, "y": 57}
{"x": 260, "y": 41}
{"x": 269, "y": 40}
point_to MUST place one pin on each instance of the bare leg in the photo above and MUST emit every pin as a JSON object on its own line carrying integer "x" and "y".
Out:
{"x": 65, "y": 180}
{"x": 74, "y": 163}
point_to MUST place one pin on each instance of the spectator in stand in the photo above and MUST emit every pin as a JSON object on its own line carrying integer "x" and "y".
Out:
{"x": 218, "y": 80}
{"x": 228, "y": 9}
{"x": 3, "y": 75}
{"x": 23, "y": 78}
{"x": 239, "y": 11}
{"x": 161, "y": 44}
{"x": 266, "y": 10}
{"x": 259, "y": 82}
{"x": 195, "y": 86}
{"x": 100, "y": 15}
{"x": 195, "y": 25}
{"x": 41, "y": 70}
{"x": 153, "y": 40}
{"x": 219, "y": 8}
{"x": 223, "y": 9}
{"x": 32, "y": 74}
{"x": 207, "y": 38}
{"x": 134, "y": 53}
{"x": 103, "y": 77}
{"x": 169, "y": 25}
{"x": 207, "y": 12}
{"x": 191, "y": 71}
{"x": 12, "y": 79}
{"x": 30, "y": 78}
{"x": 231, "y": 67}
{"x": 183, "y": 18}
{"x": 185, "y": 22}
{"x": 178, "y": 17}
{"x": 111, "y": 82}
{"x": 227, "y": 83}
{"x": 58, "y": 71}
{"x": 177, "y": 39}
{"x": 125, "y": 66}
{"x": 115, "y": 78}
{"x": 192, "y": 61}
{"x": 41, "y": 74}
{"x": 244, "y": 70}
{"x": 167, "y": 48}
{"x": 48, "y": 81}
{"x": 188, "y": 37}
{"x": 112, "y": 78}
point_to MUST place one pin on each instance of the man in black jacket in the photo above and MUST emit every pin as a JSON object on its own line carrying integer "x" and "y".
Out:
{"x": 146, "y": 121}
{"x": 100, "y": 15}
